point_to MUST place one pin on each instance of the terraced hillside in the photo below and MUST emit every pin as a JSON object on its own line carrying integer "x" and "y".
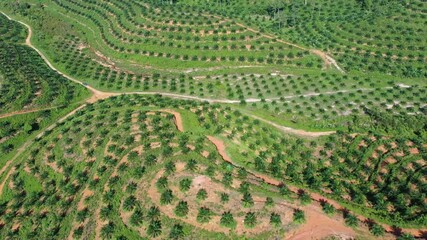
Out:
{"x": 237, "y": 119}
{"x": 383, "y": 36}
{"x": 31, "y": 94}
{"x": 127, "y": 46}
{"x": 128, "y": 166}
{"x": 27, "y": 82}
{"x": 121, "y": 168}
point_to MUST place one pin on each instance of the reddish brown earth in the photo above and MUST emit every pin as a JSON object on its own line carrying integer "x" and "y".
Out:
{"x": 213, "y": 202}
{"x": 319, "y": 226}
{"x": 177, "y": 117}
{"x": 314, "y": 214}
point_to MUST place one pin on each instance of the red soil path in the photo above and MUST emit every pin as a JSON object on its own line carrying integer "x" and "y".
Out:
{"x": 177, "y": 117}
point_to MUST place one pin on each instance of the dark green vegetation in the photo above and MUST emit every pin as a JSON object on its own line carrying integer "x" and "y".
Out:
{"x": 27, "y": 84}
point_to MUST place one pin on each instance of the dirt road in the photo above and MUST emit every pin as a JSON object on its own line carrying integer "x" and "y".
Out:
{"x": 11, "y": 114}
{"x": 97, "y": 94}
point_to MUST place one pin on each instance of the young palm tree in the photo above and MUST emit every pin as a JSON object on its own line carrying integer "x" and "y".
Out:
{"x": 136, "y": 217}
{"x": 181, "y": 210}
{"x": 224, "y": 197}
{"x": 247, "y": 200}
{"x": 150, "y": 160}
{"x": 250, "y": 220}
{"x": 107, "y": 230}
{"x": 166, "y": 197}
{"x": 204, "y": 215}
{"x": 162, "y": 183}
{"x": 275, "y": 219}
{"x": 185, "y": 184}
{"x": 269, "y": 202}
{"x": 154, "y": 228}
{"x": 299, "y": 216}
{"x": 153, "y": 213}
{"x": 227, "y": 179}
{"x": 406, "y": 236}
{"x": 227, "y": 220}
{"x": 82, "y": 215}
{"x": 170, "y": 167}
{"x": 244, "y": 187}
{"x": 351, "y": 220}
{"x": 129, "y": 203}
{"x": 284, "y": 191}
{"x": 242, "y": 173}
{"x": 377, "y": 230}
{"x": 210, "y": 171}
{"x": 78, "y": 232}
{"x": 191, "y": 165}
{"x": 305, "y": 198}
{"x": 328, "y": 209}
{"x": 177, "y": 232}
{"x": 138, "y": 172}
{"x": 202, "y": 194}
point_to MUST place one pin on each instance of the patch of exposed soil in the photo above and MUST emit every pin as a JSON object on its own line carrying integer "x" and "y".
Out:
{"x": 85, "y": 194}
{"x": 220, "y": 146}
{"x": 177, "y": 118}
{"x": 213, "y": 202}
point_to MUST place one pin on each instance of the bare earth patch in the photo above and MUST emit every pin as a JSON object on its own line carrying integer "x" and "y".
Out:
{"x": 177, "y": 117}
{"x": 85, "y": 194}
{"x": 212, "y": 201}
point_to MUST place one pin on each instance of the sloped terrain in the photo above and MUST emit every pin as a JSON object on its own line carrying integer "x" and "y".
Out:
{"x": 258, "y": 120}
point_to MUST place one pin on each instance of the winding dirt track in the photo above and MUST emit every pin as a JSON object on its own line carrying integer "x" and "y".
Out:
{"x": 293, "y": 131}
{"x": 324, "y": 56}
{"x": 10, "y": 114}
{"x": 318, "y": 222}
{"x": 97, "y": 95}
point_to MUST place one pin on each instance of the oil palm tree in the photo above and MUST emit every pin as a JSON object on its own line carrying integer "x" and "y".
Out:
{"x": 227, "y": 220}
{"x": 154, "y": 228}
{"x": 250, "y": 220}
